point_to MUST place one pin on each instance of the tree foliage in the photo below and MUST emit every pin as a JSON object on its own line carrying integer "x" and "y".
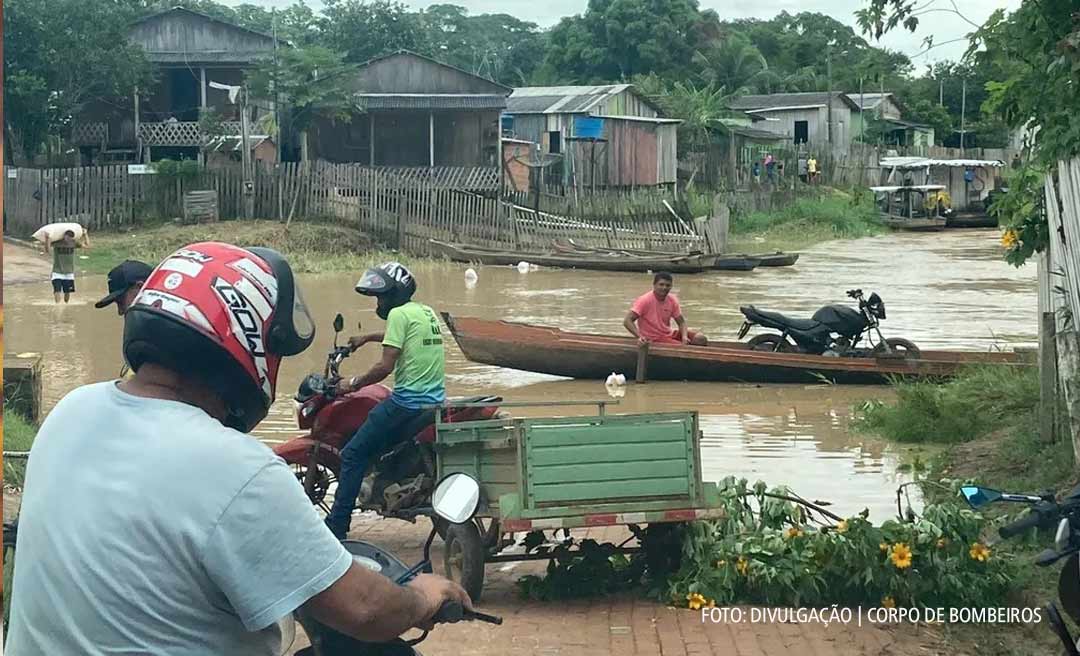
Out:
{"x": 313, "y": 81}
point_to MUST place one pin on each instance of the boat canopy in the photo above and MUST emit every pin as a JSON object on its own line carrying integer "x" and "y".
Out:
{"x": 926, "y": 162}
{"x": 890, "y": 190}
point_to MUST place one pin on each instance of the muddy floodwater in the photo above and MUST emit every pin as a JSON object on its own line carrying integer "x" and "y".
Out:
{"x": 948, "y": 290}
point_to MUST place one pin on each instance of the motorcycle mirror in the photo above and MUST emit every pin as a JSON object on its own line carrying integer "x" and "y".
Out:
{"x": 339, "y": 323}
{"x": 456, "y": 498}
{"x": 1061, "y": 538}
{"x": 978, "y": 497}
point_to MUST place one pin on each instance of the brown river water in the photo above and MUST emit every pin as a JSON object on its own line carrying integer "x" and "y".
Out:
{"x": 948, "y": 290}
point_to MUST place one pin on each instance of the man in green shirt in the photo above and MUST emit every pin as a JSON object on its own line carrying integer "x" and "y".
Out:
{"x": 413, "y": 350}
{"x": 63, "y": 268}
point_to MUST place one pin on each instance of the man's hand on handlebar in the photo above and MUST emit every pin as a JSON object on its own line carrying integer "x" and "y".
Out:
{"x": 356, "y": 341}
{"x": 436, "y": 591}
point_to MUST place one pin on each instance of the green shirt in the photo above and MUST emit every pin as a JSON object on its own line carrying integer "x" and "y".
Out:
{"x": 419, "y": 375}
{"x": 63, "y": 259}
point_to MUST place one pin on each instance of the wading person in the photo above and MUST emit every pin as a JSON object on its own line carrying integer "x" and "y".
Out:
{"x": 413, "y": 350}
{"x": 125, "y": 281}
{"x": 649, "y": 319}
{"x": 151, "y": 524}
{"x": 63, "y": 266}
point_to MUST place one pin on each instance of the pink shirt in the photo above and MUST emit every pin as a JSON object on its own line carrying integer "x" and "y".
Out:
{"x": 654, "y": 316}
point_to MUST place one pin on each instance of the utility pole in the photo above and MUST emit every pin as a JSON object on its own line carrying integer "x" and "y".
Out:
{"x": 249, "y": 183}
{"x": 828, "y": 75}
{"x": 963, "y": 112}
{"x": 941, "y": 92}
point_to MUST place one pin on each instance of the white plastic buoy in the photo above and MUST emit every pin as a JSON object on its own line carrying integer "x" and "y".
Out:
{"x": 615, "y": 379}
{"x": 470, "y": 275}
{"x": 523, "y": 267}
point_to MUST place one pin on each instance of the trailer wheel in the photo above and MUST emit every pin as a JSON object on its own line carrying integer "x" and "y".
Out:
{"x": 463, "y": 558}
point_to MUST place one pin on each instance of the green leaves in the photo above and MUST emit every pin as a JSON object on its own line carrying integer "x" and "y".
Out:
{"x": 313, "y": 81}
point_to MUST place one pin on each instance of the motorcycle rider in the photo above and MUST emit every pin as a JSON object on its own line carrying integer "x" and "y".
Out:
{"x": 413, "y": 350}
{"x": 151, "y": 524}
{"x": 125, "y": 280}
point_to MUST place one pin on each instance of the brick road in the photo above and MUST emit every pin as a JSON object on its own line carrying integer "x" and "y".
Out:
{"x": 623, "y": 625}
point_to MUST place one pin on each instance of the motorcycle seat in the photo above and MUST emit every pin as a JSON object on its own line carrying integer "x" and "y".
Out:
{"x": 777, "y": 320}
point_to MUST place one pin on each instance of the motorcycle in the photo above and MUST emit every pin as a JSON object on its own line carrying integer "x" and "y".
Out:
{"x": 834, "y": 330}
{"x": 1047, "y": 512}
{"x": 401, "y": 480}
{"x": 455, "y": 500}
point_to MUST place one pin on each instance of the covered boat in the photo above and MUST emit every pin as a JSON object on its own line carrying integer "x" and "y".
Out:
{"x": 576, "y": 355}
{"x": 910, "y": 207}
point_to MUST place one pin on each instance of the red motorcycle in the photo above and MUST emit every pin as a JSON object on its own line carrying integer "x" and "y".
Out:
{"x": 400, "y": 481}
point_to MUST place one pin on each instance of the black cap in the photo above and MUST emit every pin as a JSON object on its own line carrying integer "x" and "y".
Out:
{"x": 122, "y": 277}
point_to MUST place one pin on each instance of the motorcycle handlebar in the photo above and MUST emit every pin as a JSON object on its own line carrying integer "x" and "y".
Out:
{"x": 854, "y": 293}
{"x": 1026, "y": 523}
{"x": 452, "y": 611}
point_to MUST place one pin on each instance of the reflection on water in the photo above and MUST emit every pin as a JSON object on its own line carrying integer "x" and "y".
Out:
{"x": 948, "y": 290}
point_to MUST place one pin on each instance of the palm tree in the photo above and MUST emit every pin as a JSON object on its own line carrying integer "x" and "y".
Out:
{"x": 732, "y": 64}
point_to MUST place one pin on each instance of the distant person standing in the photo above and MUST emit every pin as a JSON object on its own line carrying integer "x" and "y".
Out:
{"x": 770, "y": 168}
{"x": 802, "y": 170}
{"x": 811, "y": 168}
{"x": 755, "y": 171}
{"x": 63, "y": 268}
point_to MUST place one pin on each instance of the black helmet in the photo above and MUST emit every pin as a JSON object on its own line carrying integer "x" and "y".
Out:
{"x": 391, "y": 283}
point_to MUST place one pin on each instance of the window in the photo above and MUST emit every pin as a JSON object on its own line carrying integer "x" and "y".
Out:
{"x": 802, "y": 131}
{"x": 554, "y": 142}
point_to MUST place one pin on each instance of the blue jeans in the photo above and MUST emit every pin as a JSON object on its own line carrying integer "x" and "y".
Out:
{"x": 387, "y": 425}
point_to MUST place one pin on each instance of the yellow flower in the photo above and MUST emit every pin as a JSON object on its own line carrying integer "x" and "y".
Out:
{"x": 711, "y": 604}
{"x": 941, "y": 543}
{"x": 1009, "y": 239}
{"x": 743, "y": 565}
{"x": 884, "y": 546}
{"x": 888, "y": 602}
{"x": 901, "y": 556}
{"x": 979, "y": 552}
{"x": 842, "y": 526}
{"x": 721, "y": 563}
{"x": 794, "y": 532}
{"x": 695, "y": 600}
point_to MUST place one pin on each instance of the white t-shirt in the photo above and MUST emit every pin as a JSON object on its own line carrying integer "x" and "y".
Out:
{"x": 148, "y": 527}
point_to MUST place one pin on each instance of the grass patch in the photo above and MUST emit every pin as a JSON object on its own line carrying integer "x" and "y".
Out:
{"x": 311, "y": 247}
{"x": 975, "y": 403}
{"x": 832, "y": 215}
{"x": 18, "y": 436}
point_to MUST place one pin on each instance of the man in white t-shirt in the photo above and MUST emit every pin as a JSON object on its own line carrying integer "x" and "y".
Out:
{"x": 152, "y": 524}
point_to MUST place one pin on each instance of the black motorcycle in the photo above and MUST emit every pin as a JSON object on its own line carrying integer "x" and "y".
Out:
{"x": 1047, "y": 512}
{"x": 834, "y": 330}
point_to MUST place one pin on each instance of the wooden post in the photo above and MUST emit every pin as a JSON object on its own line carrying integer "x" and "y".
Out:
{"x": 641, "y": 372}
{"x": 371, "y": 139}
{"x": 1048, "y": 376}
{"x": 138, "y": 142}
{"x": 248, "y": 184}
{"x": 202, "y": 90}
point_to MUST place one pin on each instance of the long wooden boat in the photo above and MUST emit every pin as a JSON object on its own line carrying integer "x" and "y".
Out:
{"x": 970, "y": 219}
{"x": 576, "y": 355}
{"x": 931, "y": 224}
{"x": 728, "y": 262}
{"x": 473, "y": 254}
{"x": 904, "y": 207}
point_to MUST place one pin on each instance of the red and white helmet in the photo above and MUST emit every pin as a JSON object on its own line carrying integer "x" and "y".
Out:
{"x": 225, "y": 314}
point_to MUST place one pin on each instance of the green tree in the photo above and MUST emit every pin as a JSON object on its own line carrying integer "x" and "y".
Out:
{"x": 61, "y": 55}
{"x": 313, "y": 81}
{"x": 733, "y": 63}
{"x": 496, "y": 46}
{"x": 365, "y": 29}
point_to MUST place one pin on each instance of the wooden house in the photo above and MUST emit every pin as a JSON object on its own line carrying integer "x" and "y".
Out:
{"x": 608, "y": 135}
{"x": 888, "y": 108}
{"x": 189, "y": 50}
{"x": 412, "y": 111}
{"x": 817, "y": 120}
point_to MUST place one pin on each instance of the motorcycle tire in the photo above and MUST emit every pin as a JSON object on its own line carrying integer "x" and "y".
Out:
{"x": 463, "y": 558}
{"x": 770, "y": 342}
{"x": 904, "y": 348}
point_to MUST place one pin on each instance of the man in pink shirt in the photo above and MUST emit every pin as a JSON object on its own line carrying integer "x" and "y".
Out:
{"x": 649, "y": 319}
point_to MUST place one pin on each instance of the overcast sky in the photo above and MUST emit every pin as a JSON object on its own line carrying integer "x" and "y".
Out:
{"x": 943, "y": 26}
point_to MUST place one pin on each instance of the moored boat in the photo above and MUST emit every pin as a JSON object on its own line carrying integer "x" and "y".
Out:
{"x": 720, "y": 261}
{"x": 576, "y": 355}
{"x": 911, "y": 207}
{"x": 613, "y": 262}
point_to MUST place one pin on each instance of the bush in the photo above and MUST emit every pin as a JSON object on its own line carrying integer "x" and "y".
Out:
{"x": 973, "y": 404}
{"x": 763, "y": 552}
{"x": 840, "y": 214}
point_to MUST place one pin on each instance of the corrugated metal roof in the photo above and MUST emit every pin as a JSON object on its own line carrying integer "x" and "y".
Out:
{"x": 370, "y": 101}
{"x": 207, "y": 57}
{"x": 788, "y": 100}
{"x": 560, "y": 100}
{"x": 644, "y": 119}
{"x": 923, "y": 162}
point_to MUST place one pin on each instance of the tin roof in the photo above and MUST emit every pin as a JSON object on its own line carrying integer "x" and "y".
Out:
{"x": 430, "y": 101}
{"x": 924, "y": 162}
{"x": 783, "y": 101}
{"x": 562, "y": 100}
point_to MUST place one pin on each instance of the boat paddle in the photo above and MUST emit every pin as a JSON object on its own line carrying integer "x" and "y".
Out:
{"x": 640, "y": 373}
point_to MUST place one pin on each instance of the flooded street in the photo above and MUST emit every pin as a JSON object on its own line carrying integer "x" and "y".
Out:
{"x": 949, "y": 290}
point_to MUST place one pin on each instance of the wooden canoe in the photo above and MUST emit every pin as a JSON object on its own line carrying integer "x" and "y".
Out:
{"x": 777, "y": 259}
{"x": 971, "y": 220}
{"x": 918, "y": 225}
{"x": 576, "y": 355}
{"x": 719, "y": 261}
{"x": 474, "y": 254}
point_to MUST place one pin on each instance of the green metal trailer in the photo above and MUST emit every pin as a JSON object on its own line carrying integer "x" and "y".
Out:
{"x": 570, "y": 472}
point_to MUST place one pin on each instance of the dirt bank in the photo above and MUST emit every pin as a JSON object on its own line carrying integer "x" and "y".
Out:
{"x": 23, "y": 264}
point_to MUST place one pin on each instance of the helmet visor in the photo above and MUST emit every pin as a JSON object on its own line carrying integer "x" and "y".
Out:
{"x": 373, "y": 282}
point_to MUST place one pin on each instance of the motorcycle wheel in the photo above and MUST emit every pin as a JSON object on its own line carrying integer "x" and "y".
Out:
{"x": 904, "y": 348}
{"x": 324, "y": 478}
{"x": 463, "y": 558}
{"x": 770, "y": 342}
